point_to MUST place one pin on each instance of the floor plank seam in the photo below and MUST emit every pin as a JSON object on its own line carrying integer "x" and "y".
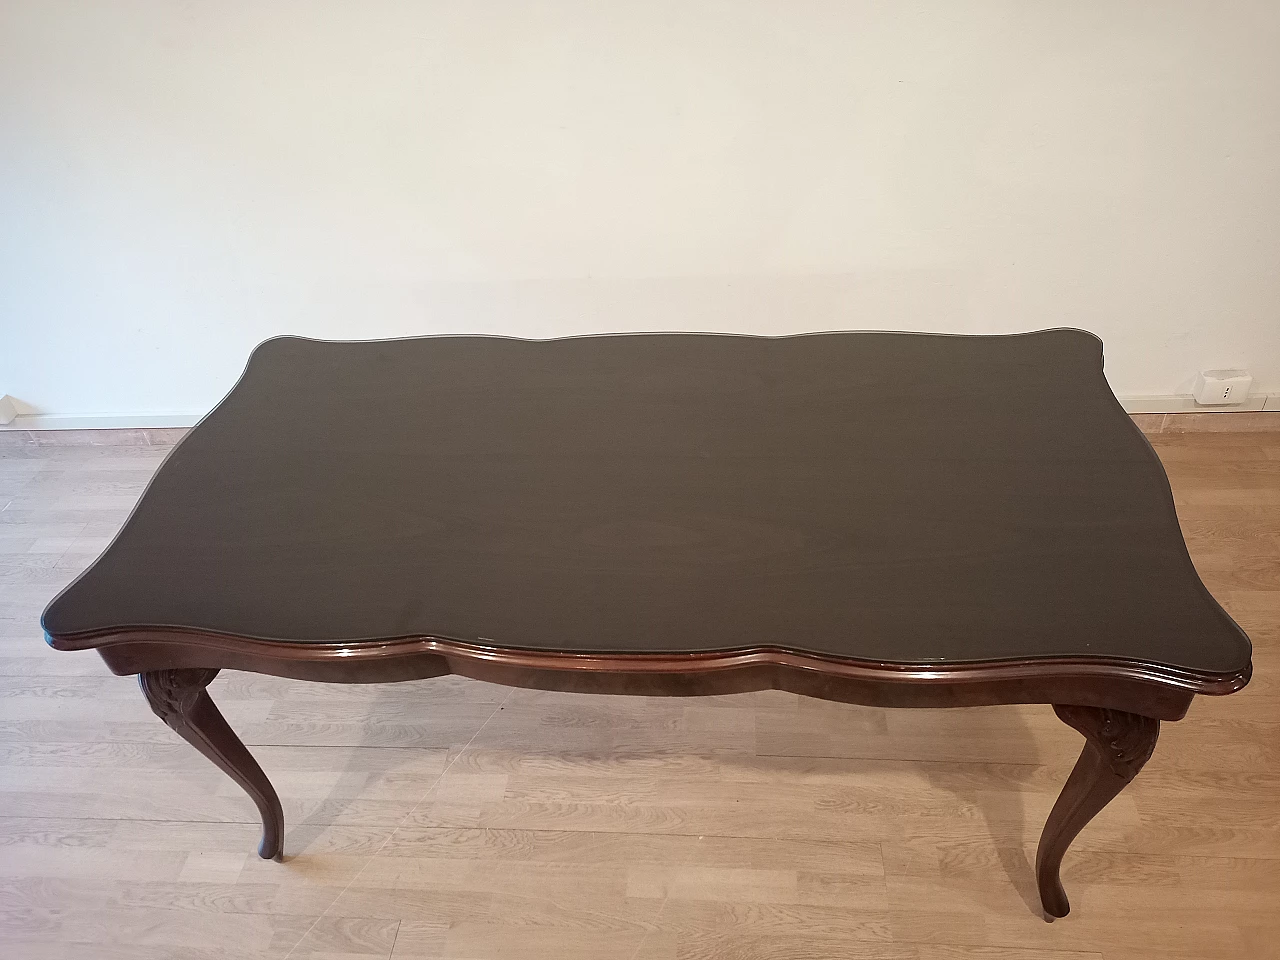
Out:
{"x": 955, "y": 763}
{"x": 644, "y": 937}
{"x": 395, "y": 938}
{"x": 392, "y": 834}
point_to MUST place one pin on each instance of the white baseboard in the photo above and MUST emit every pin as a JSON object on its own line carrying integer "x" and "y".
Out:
{"x": 153, "y": 421}
{"x": 1184, "y": 404}
{"x": 144, "y": 421}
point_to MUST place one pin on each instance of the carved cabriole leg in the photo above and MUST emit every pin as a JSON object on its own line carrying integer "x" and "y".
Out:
{"x": 178, "y": 697}
{"x": 1117, "y": 745}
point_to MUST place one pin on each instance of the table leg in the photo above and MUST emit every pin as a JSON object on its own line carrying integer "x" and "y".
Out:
{"x": 179, "y": 698}
{"x": 1117, "y": 745}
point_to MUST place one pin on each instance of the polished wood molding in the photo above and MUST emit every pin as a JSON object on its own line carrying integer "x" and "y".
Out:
{"x": 1152, "y": 689}
{"x": 1117, "y": 745}
{"x": 1126, "y": 740}
{"x": 173, "y": 693}
{"x": 179, "y": 698}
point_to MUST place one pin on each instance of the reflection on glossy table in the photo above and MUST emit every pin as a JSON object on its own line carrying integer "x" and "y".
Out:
{"x": 878, "y": 518}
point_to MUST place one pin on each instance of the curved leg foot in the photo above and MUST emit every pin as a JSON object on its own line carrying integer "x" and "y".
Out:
{"x": 178, "y": 697}
{"x": 1117, "y": 746}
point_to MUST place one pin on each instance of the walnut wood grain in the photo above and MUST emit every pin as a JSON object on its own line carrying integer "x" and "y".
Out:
{"x": 179, "y": 698}
{"x": 1156, "y": 691}
{"x": 1117, "y": 745}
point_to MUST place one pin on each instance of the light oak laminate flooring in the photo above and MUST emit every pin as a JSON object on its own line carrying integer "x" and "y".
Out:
{"x": 455, "y": 819}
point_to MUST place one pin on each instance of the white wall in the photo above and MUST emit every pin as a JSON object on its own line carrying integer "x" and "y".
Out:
{"x": 179, "y": 180}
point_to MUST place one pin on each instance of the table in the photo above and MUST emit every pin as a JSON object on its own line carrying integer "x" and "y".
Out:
{"x": 904, "y": 520}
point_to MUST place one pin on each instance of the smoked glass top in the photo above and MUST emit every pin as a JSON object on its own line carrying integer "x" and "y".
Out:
{"x": 876, "y": 496}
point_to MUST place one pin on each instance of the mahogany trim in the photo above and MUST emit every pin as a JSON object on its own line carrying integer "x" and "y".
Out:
{"x": 1117, "y": 745}
{"x": 1152, "y": 689}
{"x": 178, "y": 697}
{"x": 362, "y": 651}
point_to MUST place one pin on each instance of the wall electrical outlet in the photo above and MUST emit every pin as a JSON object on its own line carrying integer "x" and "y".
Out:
{"x": 1221, "y": 387}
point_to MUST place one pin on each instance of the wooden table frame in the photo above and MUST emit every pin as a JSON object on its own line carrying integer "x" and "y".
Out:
{"x": 836, "y": 535}
{"x": 1116, "y": 705}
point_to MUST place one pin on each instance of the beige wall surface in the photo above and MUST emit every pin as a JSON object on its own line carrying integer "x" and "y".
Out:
{"x": 181, "y": 180}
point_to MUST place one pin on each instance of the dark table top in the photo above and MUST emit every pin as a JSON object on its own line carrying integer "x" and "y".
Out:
{"x": 888, "y": 497}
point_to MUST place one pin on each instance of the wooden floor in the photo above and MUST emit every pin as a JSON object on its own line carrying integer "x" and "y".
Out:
{"x": 451, "y": 818}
